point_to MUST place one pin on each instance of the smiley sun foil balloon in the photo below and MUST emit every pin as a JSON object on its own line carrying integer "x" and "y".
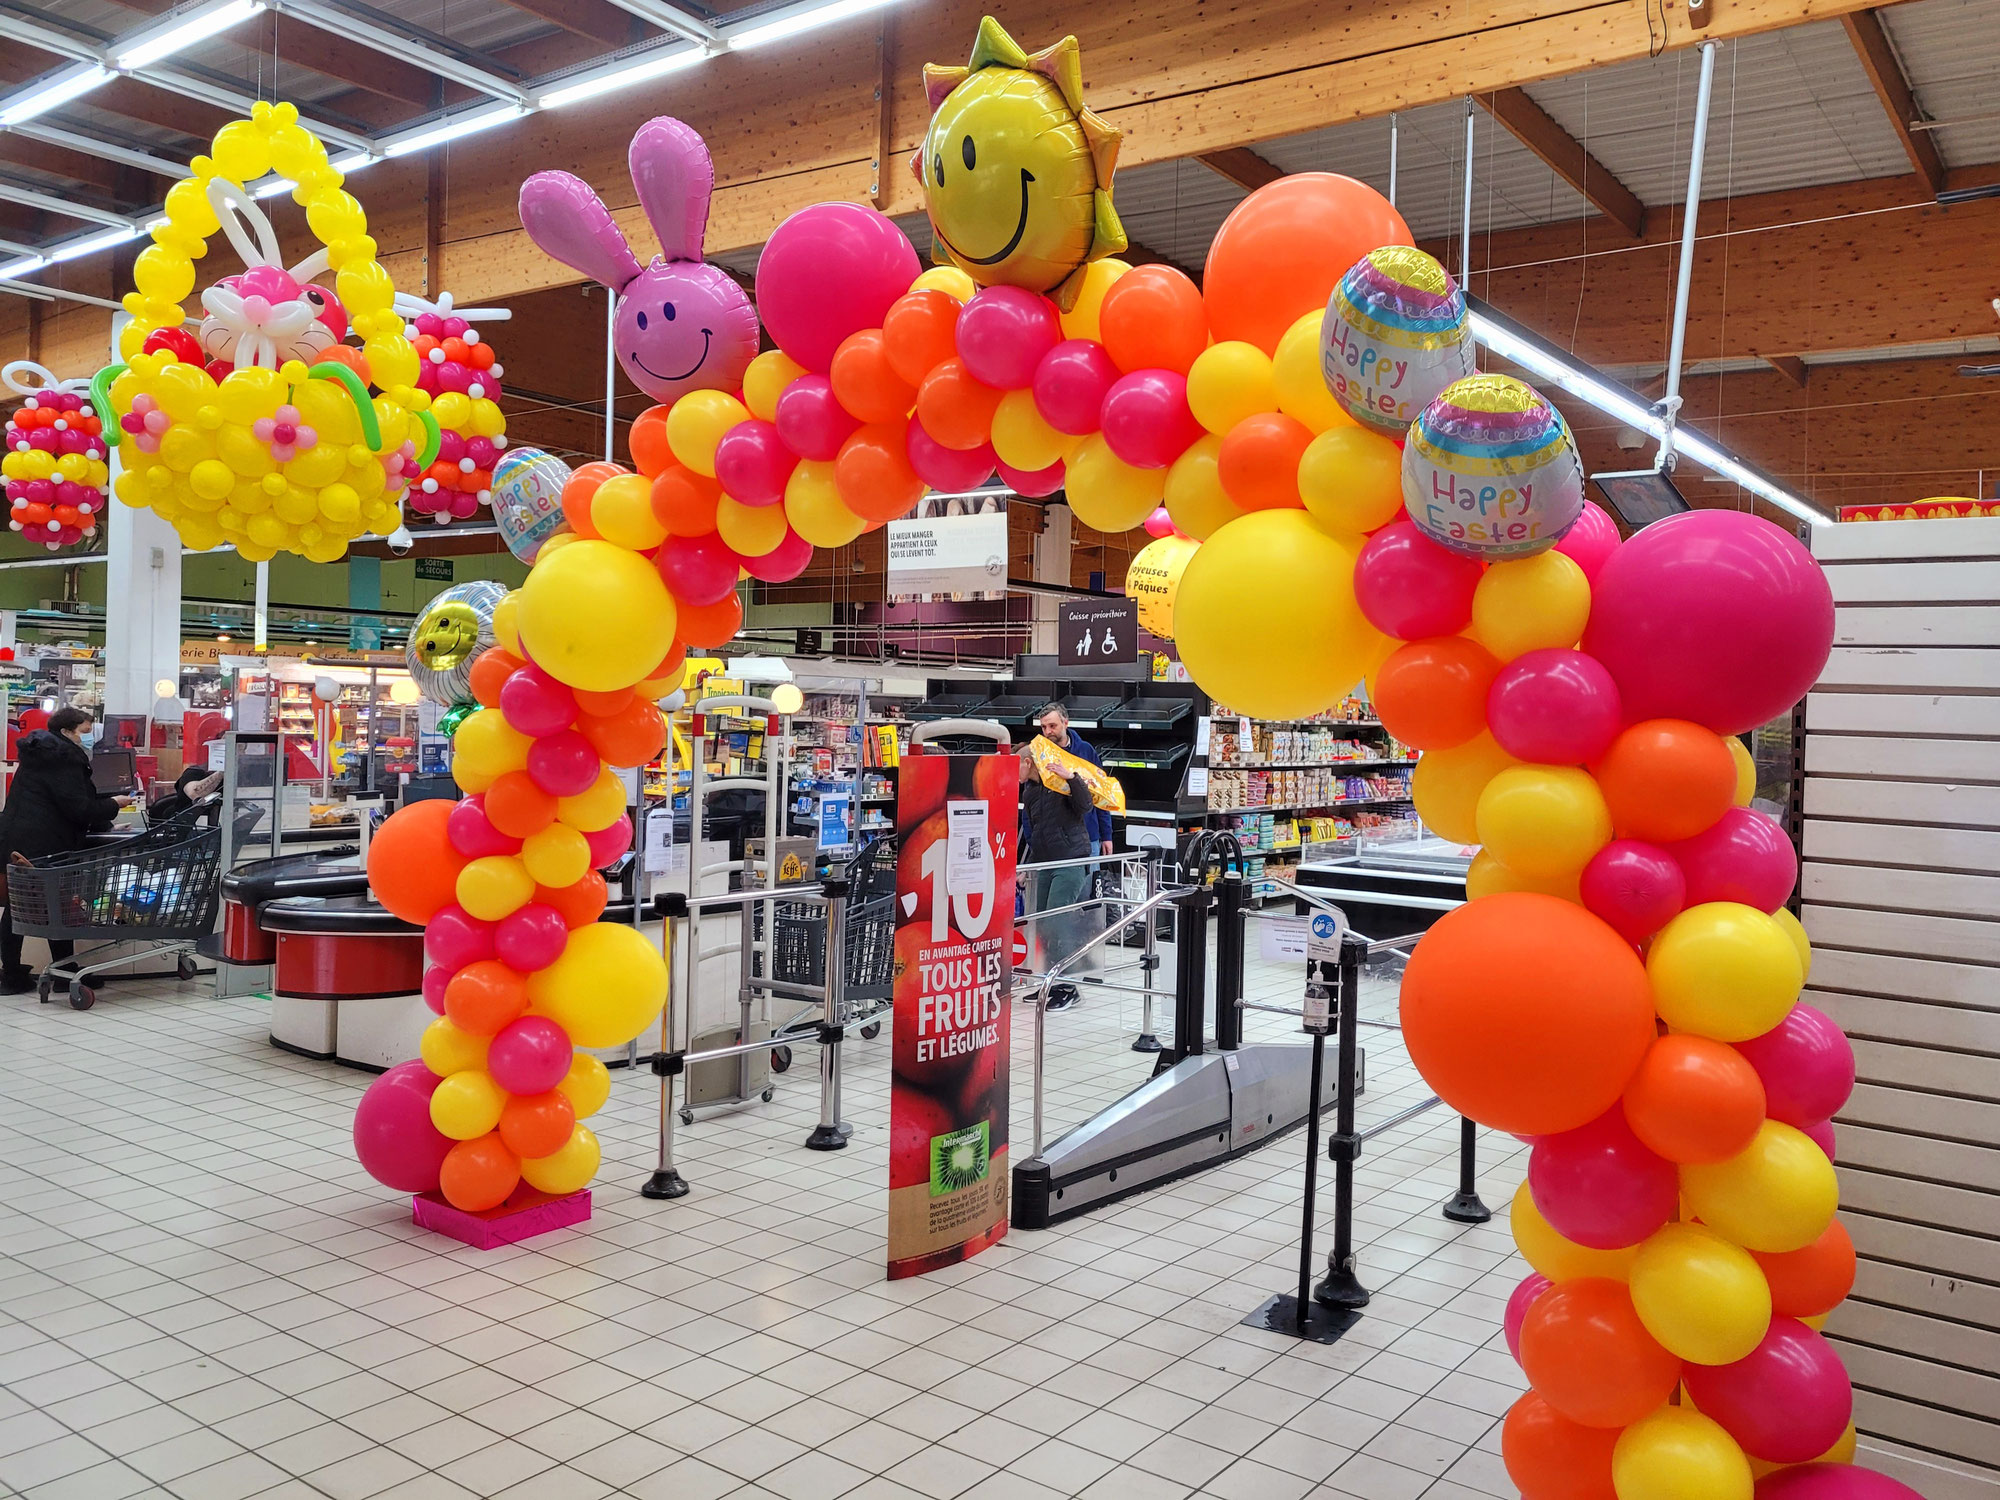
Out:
{"x": 1016, "y": 172}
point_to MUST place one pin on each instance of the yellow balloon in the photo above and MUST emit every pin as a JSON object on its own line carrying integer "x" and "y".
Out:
{"x": 1488, "y": 876}
{"x": 765, "y": 379}
{"x": 1545, "y": 821}
{"x": 1746, "y": 770}
{"x": 586, "y": 1085}
{"x": 696, "y": 423}
{"x": 1724, "y": 970}
{"x": 1228, "y": 382}
{"x": 1266, "y": 620}
{"x": 1300, "y": 383}
{"x": 467, "y": 1104}
{"x": 1352, "y": 479}
{"x": 1530, "y": 604}
{"x": 505, "y": 631}
{"x": 749, "y": 530}
{"x": 1555, "y": 1257}
{"x": 1108, "y": 494}
{"x": 487, "y": 745}
{"x": 1777, "y": 1194}
{"x": 595, "y": 616}
{"x": 598, "y": 807}
{"x": 1447, "y": 784}
{"x": 556, "y": 856}
{"x": 814, "y": 508}
{"x": 607, "y": 986}
{"x": 1023, "y": 438}
{"x": 1678, "y": 1454}
{"x": 568, "y": 1168}
{"x": 1194, "y": 495}
{"x": 495, "y": 886}
{"x": 1700, "y": 1296}
{"x": 954, "y": 283}
{"x": 622, "y": 511}
{"x": 447, "y": 1050}
{"x": 1795, "y": 930}
{"x": 1080, "y": 322}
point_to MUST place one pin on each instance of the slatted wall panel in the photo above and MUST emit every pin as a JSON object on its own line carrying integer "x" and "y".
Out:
{"x": 1901, "y": 895}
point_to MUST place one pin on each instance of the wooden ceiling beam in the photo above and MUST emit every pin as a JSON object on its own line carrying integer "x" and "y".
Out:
{"x": 1892, "y": 87}
{"x": 1790, "y": 366}
{"x": 59, "y": 161}
{"x": 1535, "y": 128}
{"x": 304, "y": 45}
{"x": 1242, "y": 166}
{"x": 596, "y": 19}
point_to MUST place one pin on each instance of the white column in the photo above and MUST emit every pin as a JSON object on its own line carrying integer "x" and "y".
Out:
{"x": 142, "y": 608}
{"x": 1052, "y": 550}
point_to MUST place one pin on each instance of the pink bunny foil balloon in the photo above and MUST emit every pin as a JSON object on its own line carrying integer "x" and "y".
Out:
{"x": 682, "y": 325}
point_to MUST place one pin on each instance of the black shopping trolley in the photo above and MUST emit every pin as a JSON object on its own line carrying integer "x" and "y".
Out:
{"x": 161, "y": 886}
{"x": 798, "y": 949}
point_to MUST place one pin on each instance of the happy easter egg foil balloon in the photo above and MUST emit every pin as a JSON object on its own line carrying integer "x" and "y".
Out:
{"x": 452, "y": 630}
{"x": 1395, "y": 335}
{"x": 1490, "y": 470}
{"x": 527, "y": 499}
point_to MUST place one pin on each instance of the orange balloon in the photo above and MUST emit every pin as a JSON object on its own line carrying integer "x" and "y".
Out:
{"x": 919, "y": 333}
{"x": 668, "y": 669}
{"x": 1281, "y": 249}
{"x": 353, "y": 358}
{"x": 648, "y": 442}
{"x": 484, "y": 997}
{"x": 1526, "y": 1013}
{"x": 684, "y": 502}
{"x": 710, "y": 624}
{"x": 1431, "y": 694}
{"x": 1549, "y": 1457}
{"x": 533, "y": 1125}
{"x": 412, "y": 867}
{"x": 602, "y": 703}
{"x": 1259, "y": 461}
{"x": 581, "y": 902}
{"x": 490, "y": 671}
{"x": 1587, "y": 1354}
{"x": 1666, "y": 780}
{"x": 479, "y": 1174}
{"x": 629, "y": 736}
{"x": 1694, "y": 1100}
{"x": 517, "y": 807}
{"x": 579, "y": 489}
{"x": 866, "y": 383}
{"x": 1815, "y": 1280}
{"x": 956, "y": 409}
{"x": 1152, "y": 319}
{"x": 873, "y": 472}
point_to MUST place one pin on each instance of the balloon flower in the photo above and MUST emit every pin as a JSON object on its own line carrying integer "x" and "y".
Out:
{"x": 457, "y": 370}
{"x": 55, "y": 460}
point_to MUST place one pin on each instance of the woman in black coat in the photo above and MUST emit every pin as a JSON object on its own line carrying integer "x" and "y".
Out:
{"x": 52, "y": 806}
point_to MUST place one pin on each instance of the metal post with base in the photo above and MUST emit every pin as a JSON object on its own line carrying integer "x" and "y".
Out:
{"x": 831, "y": 1133}
{"x": 1342, "y": 1288}
{"x": 1465, "y": 1207}
{"x": 1149, "y": 954}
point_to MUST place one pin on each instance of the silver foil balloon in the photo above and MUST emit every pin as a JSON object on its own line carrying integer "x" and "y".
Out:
{"x": 449, "y": 634}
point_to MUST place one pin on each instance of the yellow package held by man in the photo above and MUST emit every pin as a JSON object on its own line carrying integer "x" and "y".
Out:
{"x": 1054, "y": 764}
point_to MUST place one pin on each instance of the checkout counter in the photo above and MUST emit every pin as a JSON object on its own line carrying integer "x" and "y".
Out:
{"x": 1395, "y": 888}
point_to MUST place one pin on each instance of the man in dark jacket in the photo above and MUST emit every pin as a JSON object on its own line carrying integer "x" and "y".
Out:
{"x": 51, "y": 807}
{"x": 1053, "y": 721}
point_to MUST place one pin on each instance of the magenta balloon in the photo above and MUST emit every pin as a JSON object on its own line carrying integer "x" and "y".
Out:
{"x": 1744, "y": 857}
{"x": 528, "y": 939}
{"x": 783, "y": 562}
{"x": 529, "y": 1056}
{"x": 1807, "y": 1065}
{"x": 1071, "y": 383}
{"x": 454, "y": 938}
{"x": 393, "y": 1136}
{"x": 1712, "y": 615}
{"x": 436, "y": 977}
{"x": 1410, "y": 587}
{"x": 607, "y": 844}
{"x": 1832, "y": 1482}
{"x": 752, "y": 463}
{"x": 1635, "y": 887}
{"x": 1003, "y": 333}
{"x": 1787, "y": 1401}
{"x": 1160, "y": 523}
{"x": 1556, "y": 707}
{"x": 471, "y": 833}
{"x": 1532, "y": 1286}
{"x": 1598, "y": 1186}
{"x": 564, "y": 764}
{"x": 945, "y": 468}
{"x": 1591, "y": 541}
{"x": 1821, "y": 1135}
{"x": 1146, "y": 418}
{"x": 829, "y": 271}
{"x": 812, "y": 423}
{"x": 1034, "y": 483}
{"x": 697, "y": 570}
{"x": 535, "y": 703}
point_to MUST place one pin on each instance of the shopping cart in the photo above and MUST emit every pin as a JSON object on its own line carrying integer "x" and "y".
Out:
{"x": 798, "y": 949}
{"x": 162, "y": 886}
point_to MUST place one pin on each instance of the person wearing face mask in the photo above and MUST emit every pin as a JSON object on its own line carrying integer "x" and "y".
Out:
{"x": 52, "y": 806}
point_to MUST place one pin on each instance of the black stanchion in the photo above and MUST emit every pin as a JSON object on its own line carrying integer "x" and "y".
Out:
{"x": 1190, "y": 977}
{"x": 1229, "y": 901}
{"x": 1465, "y": 1206}
{"x": 1342, "y": 1288}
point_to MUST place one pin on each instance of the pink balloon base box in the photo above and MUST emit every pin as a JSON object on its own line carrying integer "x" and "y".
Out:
{"x": 526, "y": 1213}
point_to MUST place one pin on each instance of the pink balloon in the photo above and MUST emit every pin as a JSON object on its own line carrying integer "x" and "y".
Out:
{"x": 454, "y": 938}
{"x": 393, "y": 1136}
{"x": 1743, "y": 856}
{"x": 827, "y": 272}
{"x": 811, "y": 422}
{"x": 1003, "y": 333}
{"x": 529, "y": 1056}
{"x": 1146, "y": 418}
{"x": 472, "y": 835}
{"x": 1557, "y": 707}
{"x": 436, "y": 977}
{"x": 1034, "y": 483}
{"x": 1071, "y": 383}
{"x": 563, "y": 764}
{"x": 535, "y": 703}
{"x": 528, "y": 939}
{"x": 1532, "y": 1286}
{"x": 1635, "y": 887}
{"x": 783, "y": 562}
{"x": 1807, "y": 1065}
{"x": 943, "y": 468}
{"x": 1832, "y": 1482}
{"x": 1590, "y": 542}
{"x": 607, "y": 844}
{"x": 698, "y": 570}
{"x": 1159, "y": 523}
{"x": 1787, "y": 1401}
{"x": 1410, "y": 587}
{"x": 1598, "y": 1186}
{"x": 1821, "y": 1135}
{"x": 752, "y": 462}
{"x": 1712, "y": 615}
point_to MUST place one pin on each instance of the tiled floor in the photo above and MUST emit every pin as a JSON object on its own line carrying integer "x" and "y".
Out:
{"x": 201, "y": 1295}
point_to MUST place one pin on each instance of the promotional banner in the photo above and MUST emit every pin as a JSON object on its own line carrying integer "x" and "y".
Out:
{"x": 948, "y": 1098}
{"x": 948, "y": 549}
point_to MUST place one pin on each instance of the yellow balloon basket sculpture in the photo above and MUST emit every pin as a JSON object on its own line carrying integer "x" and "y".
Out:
{"x": 248, "y": 421}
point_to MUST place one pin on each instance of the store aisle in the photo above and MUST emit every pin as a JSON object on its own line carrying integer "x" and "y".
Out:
{"x": 203, "y": 1296}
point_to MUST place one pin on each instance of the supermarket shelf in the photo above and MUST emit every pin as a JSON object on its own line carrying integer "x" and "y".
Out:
{"x": 1301, "y": 765}
{"x": 1217, "y": 812}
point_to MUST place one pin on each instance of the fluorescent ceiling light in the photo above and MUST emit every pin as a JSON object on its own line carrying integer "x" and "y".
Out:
{"x": 21, "y": 267}
{"x": 198, "y": 27}
{"x": 453, "y": 129}
{"x": 614, "y": 79}
{"x": 805, "y": 18}
{"x": 54, "y": 94}
{"x": 92, "y": 243}
{"x": 354, "y": 161}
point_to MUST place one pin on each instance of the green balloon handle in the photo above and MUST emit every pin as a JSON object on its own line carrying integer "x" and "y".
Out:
{"x": 357, "y": 393}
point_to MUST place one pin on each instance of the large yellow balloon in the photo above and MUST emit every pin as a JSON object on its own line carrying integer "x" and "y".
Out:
{"x": 1724, "y": 970}
{"x": 1488, "y": 876}
{"x": 1545, "y": 821}
{"x": 487, "y": 745}
{"x": 1022, "y": 436}
{"x": 568, "y": 1168}
{"x": 1447, "y": 784}
{"x": 815, "y": 509}
{"x": 1777, "y": 1194}
{"x": 765, "y": 379}
{"x": 1195, "y": 498}
{"x": 587, "y": 1084}
{"x": 447, "y": 1050}
{"x": 749, "y": 530}
{"x": 1796, "y": 931}
{"x": 1108, "y": 494}
{"x": 599, "y": 806}
{"x": 1701, "y": 1296}
{"x": 607, "y": 986}
{"x": 1530, "y": 604}
{"x": 1555, "y": 1257}
{"x": 467, "y": 1105}
{"x": 960, "y": 287}
{"x": 1678, "y": 1454}
{"x": 1352, "y": 479}
{"x": 1266, "y": 620}
{"x": 622, "y": 512}
{"x": 595, "y": 616}
{"x": 496, "y": 885}
{"x": 1296, "y": 374}
{"x": 1228, "y": 382}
